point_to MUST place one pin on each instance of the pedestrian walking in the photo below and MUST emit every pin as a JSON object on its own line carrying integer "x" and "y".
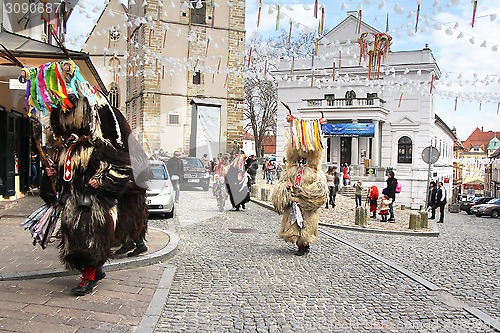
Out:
{"x": 270, "y": 172}
{"x": 345, "y": 173}
{"x": 440, "y": 201}
{"x": 279, "y": 170}
{"x": 175, "y": 168}
{"x": 330, "y": 182}
{"x": 390, "y": 191}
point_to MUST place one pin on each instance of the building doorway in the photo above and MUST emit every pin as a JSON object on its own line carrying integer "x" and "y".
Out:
{"x": 345, "y": 150}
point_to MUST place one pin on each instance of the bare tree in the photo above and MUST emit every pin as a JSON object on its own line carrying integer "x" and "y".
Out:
{"x": 261, "y": 88}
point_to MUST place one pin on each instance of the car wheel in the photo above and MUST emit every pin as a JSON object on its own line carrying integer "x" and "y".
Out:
{"x": 205, "y": 187}
{"x": 170, "y": 215}
{"x": 469, "y": 212}
{"x": 494, "y": 213}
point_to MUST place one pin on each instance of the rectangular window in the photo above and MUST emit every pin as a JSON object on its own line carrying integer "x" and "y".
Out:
{"x": 173, "y": 119}
{"x": 198, "y": 15}
{"x": 197, "y": 77}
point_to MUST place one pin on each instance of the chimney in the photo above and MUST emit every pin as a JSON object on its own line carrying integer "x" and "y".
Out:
{"x": 481, "y": 128}
{"x": 352, "y": 13}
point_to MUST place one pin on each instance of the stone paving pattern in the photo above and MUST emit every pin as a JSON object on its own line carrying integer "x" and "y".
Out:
{"x": 252, "y": 282}
{"x": 233, "y": 274}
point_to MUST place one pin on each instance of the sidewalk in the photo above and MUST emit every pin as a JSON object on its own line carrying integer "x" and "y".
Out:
{"x": 343, "y": 215}
{"x": 21, "y": 260}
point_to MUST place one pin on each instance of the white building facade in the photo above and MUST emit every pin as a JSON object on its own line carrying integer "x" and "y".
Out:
{"x": 374, "y": 123}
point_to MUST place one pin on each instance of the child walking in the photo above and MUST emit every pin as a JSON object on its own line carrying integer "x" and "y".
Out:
{"x": 384, "y": 207}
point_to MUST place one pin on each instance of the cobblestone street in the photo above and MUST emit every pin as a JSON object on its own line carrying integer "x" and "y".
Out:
{"x": 233, "y": 274}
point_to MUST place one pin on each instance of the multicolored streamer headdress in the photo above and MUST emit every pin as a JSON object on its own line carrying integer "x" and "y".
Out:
{"x": 305, "y": 134}
{"x": 49, "y": 85}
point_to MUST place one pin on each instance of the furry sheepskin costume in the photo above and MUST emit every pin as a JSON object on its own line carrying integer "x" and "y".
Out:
{"x": 88, "y": 215}
{"x": 97, "y": 196}
{"x": 301, "y": 190}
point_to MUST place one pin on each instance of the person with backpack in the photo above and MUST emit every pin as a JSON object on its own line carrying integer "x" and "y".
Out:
{"x": 390, "y": 190}
{"x": 372, "y": 198}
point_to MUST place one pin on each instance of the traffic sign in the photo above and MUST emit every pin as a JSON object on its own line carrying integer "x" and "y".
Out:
{"x": 430, "y": 155}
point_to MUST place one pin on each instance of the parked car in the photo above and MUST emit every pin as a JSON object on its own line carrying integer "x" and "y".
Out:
{"x": 160, "y": 192}
{"x": 195, "y": 173}
{"x": 467, "y": 205}
{"x": 492, "y": 208}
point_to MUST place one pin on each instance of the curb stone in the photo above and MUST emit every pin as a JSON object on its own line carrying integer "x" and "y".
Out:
{"x": 118, "y": 264}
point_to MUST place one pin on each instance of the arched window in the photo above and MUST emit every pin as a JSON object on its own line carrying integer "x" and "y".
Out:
{"x": 404, "y": 150}
{"x": 114, "y": 96}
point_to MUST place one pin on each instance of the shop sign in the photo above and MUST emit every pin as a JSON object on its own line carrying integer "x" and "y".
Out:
{"x": 350, "y": 129}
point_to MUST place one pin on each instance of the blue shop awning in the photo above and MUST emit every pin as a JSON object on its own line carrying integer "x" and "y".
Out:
{"x": 351, "y": 129}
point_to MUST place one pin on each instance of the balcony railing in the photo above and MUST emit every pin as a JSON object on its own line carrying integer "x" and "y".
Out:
{"x": 345, "y": 102}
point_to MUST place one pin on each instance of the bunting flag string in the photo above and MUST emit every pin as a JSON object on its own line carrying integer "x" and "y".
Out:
{"x": 212, "y": 7}
{"x": 259, "y": 12}
{"x": 249, "y": 57}
{"x": 322, "y": 21}
{"x": 278, "y": 14}
{"x": 474, "y": 12}
{"x": 360, "y": 18}
{"x": 164, "y": 38}
{"x": 416, "y": 18}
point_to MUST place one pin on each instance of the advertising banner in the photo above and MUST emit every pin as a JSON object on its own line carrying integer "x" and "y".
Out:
{"x": 351, "y": 129}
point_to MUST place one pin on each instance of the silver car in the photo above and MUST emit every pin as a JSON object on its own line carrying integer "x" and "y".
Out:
{"x": 491, "y": 208}
{"x": 160, "y": 192}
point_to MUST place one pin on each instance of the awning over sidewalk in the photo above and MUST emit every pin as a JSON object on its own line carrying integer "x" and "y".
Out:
{"x": 17, "y": 50}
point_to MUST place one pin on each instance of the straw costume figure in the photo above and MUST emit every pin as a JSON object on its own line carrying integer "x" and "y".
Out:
{"x": 302, "y": 188}
{"x": 92, "y": 172}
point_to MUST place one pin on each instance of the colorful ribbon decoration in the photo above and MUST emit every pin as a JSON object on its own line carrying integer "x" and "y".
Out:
{"x": 49, "y": 85}
{"x": 305, "y": 134}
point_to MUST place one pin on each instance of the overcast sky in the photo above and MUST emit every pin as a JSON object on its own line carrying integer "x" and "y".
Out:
{"x": 469, "y": 64}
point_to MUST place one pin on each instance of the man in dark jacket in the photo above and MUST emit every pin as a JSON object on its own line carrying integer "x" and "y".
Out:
{"x": 175, "y": 168}
{"x": 440, "y": 201}
{"x": 431, "y": 200}
{"x": 251, "y": 165}
{"x": 391, "y": 193}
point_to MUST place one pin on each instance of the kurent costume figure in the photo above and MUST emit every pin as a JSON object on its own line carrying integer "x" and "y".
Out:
{"x": 92, "y": 172}
{"x": 302, "y": 188}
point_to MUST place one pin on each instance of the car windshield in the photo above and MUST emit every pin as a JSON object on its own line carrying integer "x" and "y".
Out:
{"x": 494, "y": 201}
{"x": 193, "y": 163}
{"x": 159, "y": 172}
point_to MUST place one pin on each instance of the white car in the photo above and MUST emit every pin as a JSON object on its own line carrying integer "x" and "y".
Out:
{"x": 160, "y": 193}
